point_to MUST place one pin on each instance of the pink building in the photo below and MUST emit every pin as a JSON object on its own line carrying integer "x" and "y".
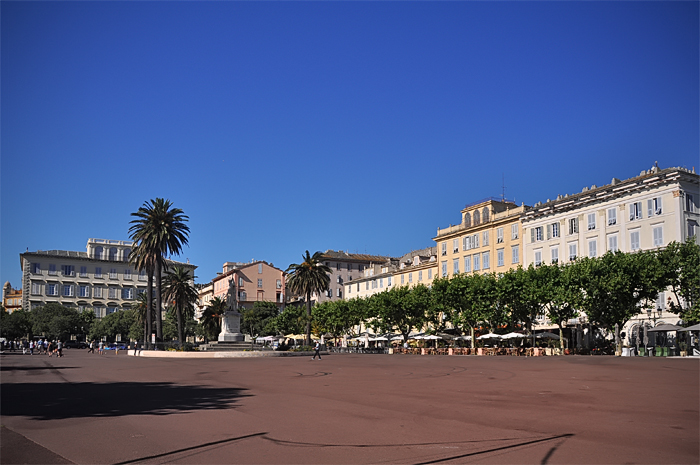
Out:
{"x": 255, "y": 281}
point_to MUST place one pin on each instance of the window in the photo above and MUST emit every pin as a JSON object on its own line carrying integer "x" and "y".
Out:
{"x": 83, "y": 272}
{"x": 592, "y": 248}
{"x": 410, "y": 277}
{"x": 388, "y": 281}
{"x": 486, "y": 260}
{"x": 455, "y": 245}
{"x": 689, "y": 203}
{"x": 591, "y": 221}
{"x": 97, "y": 292}
{"x": 538, "y": 257}
{"x": 476, "y": 262}
{"x": 554, "y": 253}
{"x": 84, "y": 291}
{"x": 658, "y": 232}
{"x": 443, "y": 248}
{"x": 260, "y": 268}
{"x": 612, "y": 216}
{"x": 513, "y": 231}
{"x": 515, "y": 254}
{"x": 140, "y": 291}
{"x": 358, "y": 287}
{"x": 612, "y": 243}
{"x": 113, "y": 253}
{"x": 349, "y": 266}
{"x": 485, "y": 238}
{"x": 467, "y": 220}
{"x": 98, "y": 272}
{"x": 381, "y": 283}
{"x": 112, "y": 273}
{"x": 444, "y": 269}
{"x": 420, "y": 275}
{"x": 36, "y": 289}
{"x": 555, "y": 229}
{"x": 68, "y": 270}
{"x": 654, "y": 206}
{"x": 127, "y": 274}
{"x": 111, "y": 310}
{"x": 280, "y": 298}
{"x": 536, "y": 234}
{"x": 477, "y": 218}
{"x": 634, "y": 240}
{"x": 112, "y": 292}
{"x": 142, "y": 275}
{"x": 127, "y": 293}
{"x": 500, "y": 257}
{"x": 36, "y": 268}
{"x": 573, "y": 226}
{"x": 68, "y": 290}
{"x": 475, "y": 241}
{"x": 467, "y": 263}
{"x": 499, "y": 236}
{"x": 243, "y": 296}
{"x": 260, "y": 283}
{"x": 692, "y": 225}
{"x": 572, "y": 252}
{"x": 430, "y": 274}
{"x": 635, "y": 211}
{"x": 467, "y": 243}
{"x": 51, "y": 289}
{"x": 125, "y": 254}
{"x": 52, "y": 269}
{"x": 485, "y": 214}
{"x": 402, "y": 279}
{"x": 339, "y": 293}
{"x": 98, "y": 253}
{"x": 455, "y": 266}
{"x": 279, "y": 283}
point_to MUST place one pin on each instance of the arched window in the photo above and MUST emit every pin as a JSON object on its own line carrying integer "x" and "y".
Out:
{"x": 467, "y": 220}
{"x": 477, "y": 220}
{"x": 98, "y": 253}
{"x": 113, "y": 253}
{"x": 485, "y": 214}
{"x": 126, "y": 254}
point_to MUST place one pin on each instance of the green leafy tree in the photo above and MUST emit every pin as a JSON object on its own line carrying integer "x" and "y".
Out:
{"x": 159, "y": 230}
{"x": 401, "y": 308}
{"x": 211, "y": 318}
{"x": 337, "y": 318}
{"x": 259, "y": 320}
{"x": 116, "y": 323}
{"x": 525, "y": 293}
{"x": 56, "y": 321}
{"x": 617, "y": 286}
{"x": 17, "y": 324}
{"x": 565, "y": 295}
{"x": 306, "y": 278}
{"x": 180, "y": 292}
{"x": 292, "y": 320}
{"x": 680, "y": 264}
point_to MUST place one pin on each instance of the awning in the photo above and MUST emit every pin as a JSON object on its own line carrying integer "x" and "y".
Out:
{"x": 691, "y": 328}
{"x": 663, "y": 328}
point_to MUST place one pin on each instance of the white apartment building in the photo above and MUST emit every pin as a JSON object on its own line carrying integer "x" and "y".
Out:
{"x": 100, "y": 279}
{"x": 641, "y": 213}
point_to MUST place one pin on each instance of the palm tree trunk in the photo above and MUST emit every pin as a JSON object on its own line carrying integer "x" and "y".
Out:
{"x": 149, "y": 307}
{"x": 159, "y": 313}
{"x": 179, "y": 325}
{"x": 308, "y": 318}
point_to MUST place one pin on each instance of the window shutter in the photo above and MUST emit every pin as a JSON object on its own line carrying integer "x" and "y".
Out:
{"x": 650, "y": 207}
{"x": 631, "y": 209}
{"x": 532, "y": 234}
{"x": 549, "y": 231}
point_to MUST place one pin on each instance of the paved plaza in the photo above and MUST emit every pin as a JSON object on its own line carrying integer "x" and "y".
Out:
{"x": 389, "y": 409}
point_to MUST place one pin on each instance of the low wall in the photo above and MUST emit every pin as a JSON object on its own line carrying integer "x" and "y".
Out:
{"x": 214, "y": 354}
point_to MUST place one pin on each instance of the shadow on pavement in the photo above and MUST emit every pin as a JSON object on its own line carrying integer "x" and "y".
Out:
{"x": 52, "y": 401}
{"x": 28, "y": 368}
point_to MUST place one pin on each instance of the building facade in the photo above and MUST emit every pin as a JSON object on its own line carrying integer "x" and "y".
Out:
{"x": 11, "y": 298}
{"x": 346, "y": 267}
{"x": 100, "y": 279}
{"x": 642, "y": 213}
{"x": 489, "y": 239}
{"x": 257, "y": 281}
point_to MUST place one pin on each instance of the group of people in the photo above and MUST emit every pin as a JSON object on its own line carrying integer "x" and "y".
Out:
{"x": 100, "y": 347}
{"x": 42, "y": 347}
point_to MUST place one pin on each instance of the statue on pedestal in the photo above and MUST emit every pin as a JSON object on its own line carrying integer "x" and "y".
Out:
{"x": 231, "y": 321}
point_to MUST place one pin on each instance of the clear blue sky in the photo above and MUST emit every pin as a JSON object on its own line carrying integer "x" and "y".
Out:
{"x": 360, "y": 126}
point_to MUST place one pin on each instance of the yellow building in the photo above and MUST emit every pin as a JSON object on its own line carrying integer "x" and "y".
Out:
{"x": 11, "y": 298}
{"x": 489, "y": 239}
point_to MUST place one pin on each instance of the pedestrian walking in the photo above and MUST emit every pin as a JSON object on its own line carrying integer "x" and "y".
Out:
{"x": 50, "y": 349}
{"x": 91, "y": 350}
{"x": 101, "y": 348}
{"x": 59, "y": 348}
{"x": 317, "y": 349}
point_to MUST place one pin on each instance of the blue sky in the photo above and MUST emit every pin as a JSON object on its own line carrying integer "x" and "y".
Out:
{"x": 359, "y": 126}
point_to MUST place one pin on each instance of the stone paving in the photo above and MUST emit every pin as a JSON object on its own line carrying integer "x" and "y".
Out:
{"x": 349, "y": 408}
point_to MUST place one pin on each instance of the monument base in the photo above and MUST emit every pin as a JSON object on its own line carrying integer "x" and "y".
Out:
{"x": 231, "y": 337}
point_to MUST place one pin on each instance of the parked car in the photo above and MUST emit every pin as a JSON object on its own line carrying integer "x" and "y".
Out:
{"x": 75, "y": 345}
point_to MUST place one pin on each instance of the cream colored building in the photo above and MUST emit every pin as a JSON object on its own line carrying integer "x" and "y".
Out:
{"x": 100, "y": 279}
{"x": 488, "y": 239}
{"x": 641, "y": 213}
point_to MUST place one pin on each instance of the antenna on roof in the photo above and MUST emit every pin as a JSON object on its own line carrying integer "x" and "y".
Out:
{"x": 503, "y": 187}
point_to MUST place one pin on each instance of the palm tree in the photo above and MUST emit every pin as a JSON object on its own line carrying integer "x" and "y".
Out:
{"x": 211, "y": 316}
{"x": 179, "y": 291}
{"x": 309, "y": 277}
{"x": 159, "y": 231}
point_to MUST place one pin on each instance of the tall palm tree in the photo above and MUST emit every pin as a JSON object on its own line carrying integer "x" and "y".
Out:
{"x": 211, "y": 316}
{"x": 180, "y": 291}
{"x": 159, "y": 231}
{"x": 306, "y": 278}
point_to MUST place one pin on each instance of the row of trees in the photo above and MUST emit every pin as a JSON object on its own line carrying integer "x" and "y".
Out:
{"x": 609, "y": 290}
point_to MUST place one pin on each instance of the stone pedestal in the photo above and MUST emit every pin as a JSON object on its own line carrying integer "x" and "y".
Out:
{"x": 231, "y": 327}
